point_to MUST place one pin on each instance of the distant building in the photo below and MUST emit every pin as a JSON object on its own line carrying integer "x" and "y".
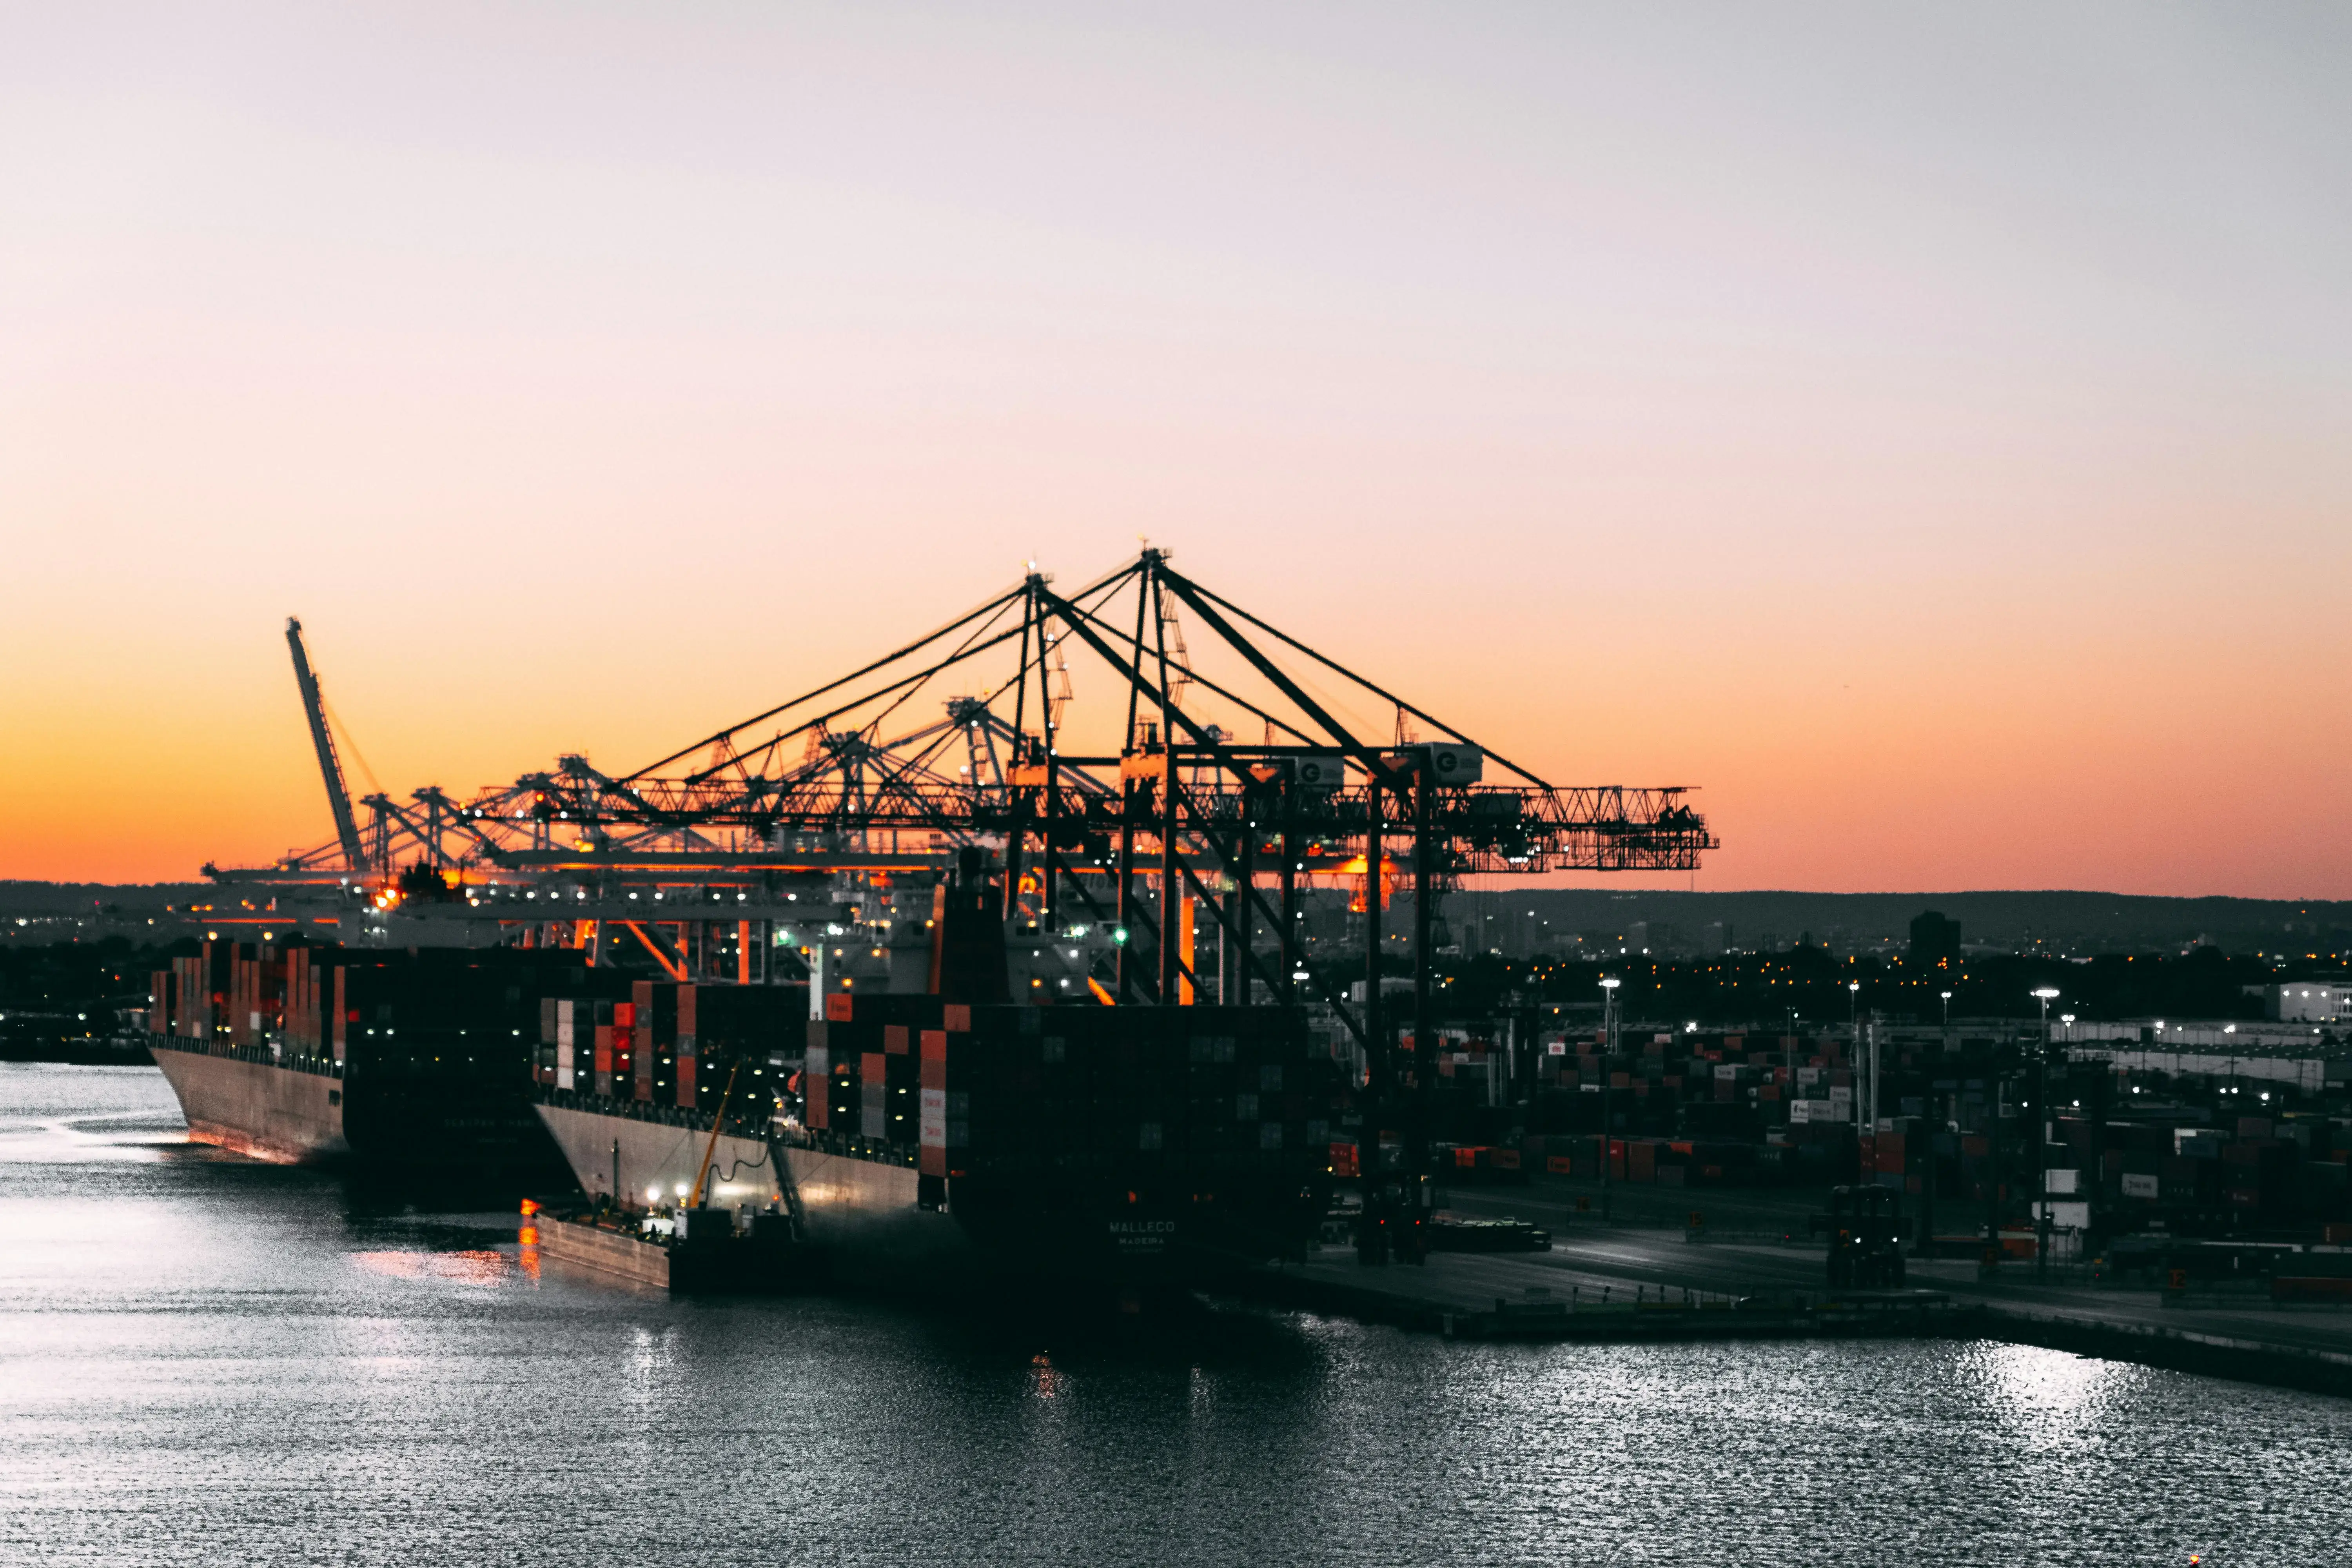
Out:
{"x": 1933, "y": 938}
{"x": 2306, "y": 1002}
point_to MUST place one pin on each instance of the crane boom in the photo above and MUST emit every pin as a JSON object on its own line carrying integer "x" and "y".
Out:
{"x": 839, "y": 776}
{"x": 330, "y": 767}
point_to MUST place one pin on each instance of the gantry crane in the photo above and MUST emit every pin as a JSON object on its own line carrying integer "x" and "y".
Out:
{"x": 1136, "y": 816}
{"x": 1149, "y": 813}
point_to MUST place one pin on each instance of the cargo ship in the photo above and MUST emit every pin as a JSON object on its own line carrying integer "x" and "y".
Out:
{"x": 916, "y": 1142}
{"x": 407, "y": 1062}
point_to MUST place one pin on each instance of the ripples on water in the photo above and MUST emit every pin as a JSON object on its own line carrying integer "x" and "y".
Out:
{"x": 204, "y": 1361}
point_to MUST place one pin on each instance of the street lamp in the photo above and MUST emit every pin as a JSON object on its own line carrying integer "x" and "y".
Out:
{"x": 1947, "y": 1012}
{"x": 2045, "y": 995}
{"x": 1608, "y": 1080}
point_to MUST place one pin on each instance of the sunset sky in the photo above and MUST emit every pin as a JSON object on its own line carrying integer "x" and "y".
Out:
{"x": 1928, "y": 431}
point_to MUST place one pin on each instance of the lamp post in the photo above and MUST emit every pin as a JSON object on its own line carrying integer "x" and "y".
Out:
{"x": 2045, "y": 995}
{"x": 1789, "y": 1050}
{"x": 1608, "y": 1080}
{"x": 1948, "y": 1015}
{"x": 1853, "y": 1035}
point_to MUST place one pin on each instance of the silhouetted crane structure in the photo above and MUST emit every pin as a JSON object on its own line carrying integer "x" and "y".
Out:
{"x": 1114, "y": 825}
{"x": 330, "y": 766}
{"x": 1134, "y": 817}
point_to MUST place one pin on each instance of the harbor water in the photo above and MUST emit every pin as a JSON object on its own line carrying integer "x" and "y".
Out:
{"x": 204, "y": 1360}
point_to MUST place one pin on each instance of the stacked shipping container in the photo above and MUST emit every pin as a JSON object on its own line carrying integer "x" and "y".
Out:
{"x": 1210, "y": 1127}
{"x": 432, "y": 1048}
{"x": 665, "y": 1044}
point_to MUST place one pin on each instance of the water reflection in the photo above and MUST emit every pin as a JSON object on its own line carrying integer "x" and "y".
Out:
{"x": 215, "y": 1362}
{"x": 480, "y": 1266}
{"x": 2048, "y": 1397}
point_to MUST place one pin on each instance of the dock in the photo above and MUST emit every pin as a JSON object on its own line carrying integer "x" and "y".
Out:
{"x": 1485, "y": 1296}
{"x": 1628, "y": 1283}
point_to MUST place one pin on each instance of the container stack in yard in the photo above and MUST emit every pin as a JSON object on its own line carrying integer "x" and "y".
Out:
{"x": 2194, "y": 1153}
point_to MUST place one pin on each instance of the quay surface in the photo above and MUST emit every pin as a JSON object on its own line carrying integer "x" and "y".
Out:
{"x": 1765, "y": 1280}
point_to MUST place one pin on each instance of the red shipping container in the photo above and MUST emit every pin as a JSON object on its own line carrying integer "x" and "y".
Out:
{"x": 816, "y": 1088}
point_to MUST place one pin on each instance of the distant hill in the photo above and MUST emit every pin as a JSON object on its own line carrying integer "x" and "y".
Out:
{"x": 80, "y": 898}
{"x": 2066, "y": 921}
{"x": 1524, "y": 919}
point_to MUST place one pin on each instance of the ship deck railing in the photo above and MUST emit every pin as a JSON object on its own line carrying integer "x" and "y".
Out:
{"x": 259, "y": 1052}
{"x": 759, "y": 1128}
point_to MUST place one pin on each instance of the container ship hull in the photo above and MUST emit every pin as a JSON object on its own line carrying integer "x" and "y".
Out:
{"x": 864, "y": 1218}
{"x": 409, "y": 1064}
{"x": 934, "y": 1141}
{"x": 262, "y": 1112}
{"x": 428, "y": 1124}
{"x": 881, "y": 1223}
